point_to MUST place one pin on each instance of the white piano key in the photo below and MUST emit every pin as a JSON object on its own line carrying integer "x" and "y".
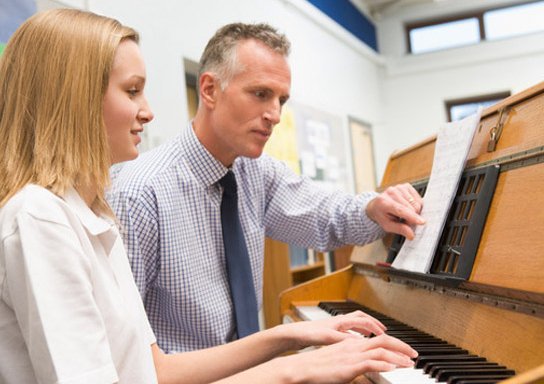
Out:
{"x": 401, "y": 376}
{"x": 312, "y": 312}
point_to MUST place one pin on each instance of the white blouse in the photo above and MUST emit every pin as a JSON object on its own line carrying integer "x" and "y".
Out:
{"x": 70, "y": 311}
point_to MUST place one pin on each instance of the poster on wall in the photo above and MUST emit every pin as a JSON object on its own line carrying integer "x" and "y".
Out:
{"x": 283, "y": 145}
{"x": 312, "y": 143}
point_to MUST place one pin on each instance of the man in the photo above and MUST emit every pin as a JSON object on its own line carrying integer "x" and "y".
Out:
{"x": 169, "y": 201}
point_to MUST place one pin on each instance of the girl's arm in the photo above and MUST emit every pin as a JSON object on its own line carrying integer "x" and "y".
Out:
{"x": 216, "y": 363}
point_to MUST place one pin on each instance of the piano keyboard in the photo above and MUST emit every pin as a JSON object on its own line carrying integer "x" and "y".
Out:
{"x": 438, "y": 361}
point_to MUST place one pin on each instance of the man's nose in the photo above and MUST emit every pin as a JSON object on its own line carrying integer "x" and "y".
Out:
{"x": 273, "y": 113}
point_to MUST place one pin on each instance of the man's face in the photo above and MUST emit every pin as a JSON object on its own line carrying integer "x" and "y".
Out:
{"x": 247, "y": 110}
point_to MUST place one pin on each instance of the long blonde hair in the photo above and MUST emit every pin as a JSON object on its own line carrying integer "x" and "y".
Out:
{"x": 54, "y": 73}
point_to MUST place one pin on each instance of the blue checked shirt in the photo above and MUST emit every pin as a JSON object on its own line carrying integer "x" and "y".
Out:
{"x": 168, "y": 203}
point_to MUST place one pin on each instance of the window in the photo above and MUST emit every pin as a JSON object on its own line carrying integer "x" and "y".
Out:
{"x": 471, "y": 28}
{"x": 514, "y": 21}
{"x": 460, "y": 108}
{"x": 445, "y": 35}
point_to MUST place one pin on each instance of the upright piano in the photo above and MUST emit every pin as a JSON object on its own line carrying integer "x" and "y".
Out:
{"x": 485, "y": 292}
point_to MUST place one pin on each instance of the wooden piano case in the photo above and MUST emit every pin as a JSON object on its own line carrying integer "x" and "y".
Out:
{"x": 498, "y": 310}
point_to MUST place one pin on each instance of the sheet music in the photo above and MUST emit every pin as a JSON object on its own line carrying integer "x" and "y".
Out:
{"x": 451, "y": 150}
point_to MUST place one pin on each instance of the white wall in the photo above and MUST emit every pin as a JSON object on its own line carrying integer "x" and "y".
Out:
{"x": 401, "y": 96}
{"x": 415, "y": 86}
{"x": 331, "y": 70}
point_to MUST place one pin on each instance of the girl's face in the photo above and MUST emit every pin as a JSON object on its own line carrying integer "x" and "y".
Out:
{"x": 125, "y": 107}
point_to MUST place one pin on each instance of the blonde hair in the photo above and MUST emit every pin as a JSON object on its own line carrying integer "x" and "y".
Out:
{"x": 54, "y": 73}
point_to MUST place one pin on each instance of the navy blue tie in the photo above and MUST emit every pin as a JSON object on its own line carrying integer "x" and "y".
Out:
{"x": 238, "y": 267}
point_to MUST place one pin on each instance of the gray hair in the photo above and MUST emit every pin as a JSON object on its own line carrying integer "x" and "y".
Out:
{"x": 220, "y": 57}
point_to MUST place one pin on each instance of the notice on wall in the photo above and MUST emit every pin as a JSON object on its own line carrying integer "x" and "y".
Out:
{"x": 314, "y": 144}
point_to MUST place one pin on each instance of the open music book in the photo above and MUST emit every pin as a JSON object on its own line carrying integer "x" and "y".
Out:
{"x": 452, "y": 145}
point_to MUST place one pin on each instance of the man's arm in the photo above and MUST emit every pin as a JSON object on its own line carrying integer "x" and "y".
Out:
{"x": 138, "y": 220}
{"x": 299, "y": 211}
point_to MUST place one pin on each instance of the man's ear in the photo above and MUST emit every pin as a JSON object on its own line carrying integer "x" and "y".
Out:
{"x": 208, "y": 89}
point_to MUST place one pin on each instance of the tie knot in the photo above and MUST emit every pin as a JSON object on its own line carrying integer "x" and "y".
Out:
{"x": 228, "y": 182}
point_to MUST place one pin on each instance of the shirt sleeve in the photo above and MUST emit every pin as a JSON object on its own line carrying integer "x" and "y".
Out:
{"x": 140, "y": 231}
{"x": 299, "y": 211}
{"x": 49, "y": 285}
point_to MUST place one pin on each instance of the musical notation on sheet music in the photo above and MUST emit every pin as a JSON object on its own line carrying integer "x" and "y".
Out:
{"x": 451, "y": 150}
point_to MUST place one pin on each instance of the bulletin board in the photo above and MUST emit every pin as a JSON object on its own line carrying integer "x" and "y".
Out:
{"x": 313, "y": 143}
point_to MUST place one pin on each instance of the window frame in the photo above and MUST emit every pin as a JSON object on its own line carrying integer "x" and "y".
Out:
{"x": 449, "y": 104}
{"x": 478, "y": 14}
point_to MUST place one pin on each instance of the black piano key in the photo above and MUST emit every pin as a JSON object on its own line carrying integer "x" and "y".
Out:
{"x": 430, "y": 368}
{"x": 440, "y": 350}
{"x": 477, "y": 381}
{"x": 423, "y": 337}
{"x": 391, "y": 323}
{"x": 421, "y": 361}
{"x": 446, "y": 374}
{"x": 430, "y": 342}
{"x": 422, "y": 344}
{"x": 408, "y": 335}
{"x": 412, "y": 336}
{"x": 433, "y": 341}
{"x": 330, "y": 305}
{"x": 437, "y": 369}
{"x": 492, "y": 378}
{"x": 340, "y": 311}
{"x": 430, "y": 351}
{"x": 407, "y": 332}
{"x": 399, "y": 327}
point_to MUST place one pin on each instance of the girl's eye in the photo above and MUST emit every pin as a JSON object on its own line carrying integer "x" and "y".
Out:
{"x": 132, "y": 92}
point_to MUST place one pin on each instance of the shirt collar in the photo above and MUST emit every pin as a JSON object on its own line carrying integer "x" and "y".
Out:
{"x": 206, "y": 168}
{"x": 99, "y": 226}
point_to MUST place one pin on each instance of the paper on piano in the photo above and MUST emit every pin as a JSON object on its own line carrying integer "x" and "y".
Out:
{"x": 451, "y": 150}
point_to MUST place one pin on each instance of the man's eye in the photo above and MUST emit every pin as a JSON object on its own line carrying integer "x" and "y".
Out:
{"x": 133, "y": 92}
{"x": 260, "y": 94}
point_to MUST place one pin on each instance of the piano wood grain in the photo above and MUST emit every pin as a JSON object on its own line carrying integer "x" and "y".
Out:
{"x": 498, "y": 313}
